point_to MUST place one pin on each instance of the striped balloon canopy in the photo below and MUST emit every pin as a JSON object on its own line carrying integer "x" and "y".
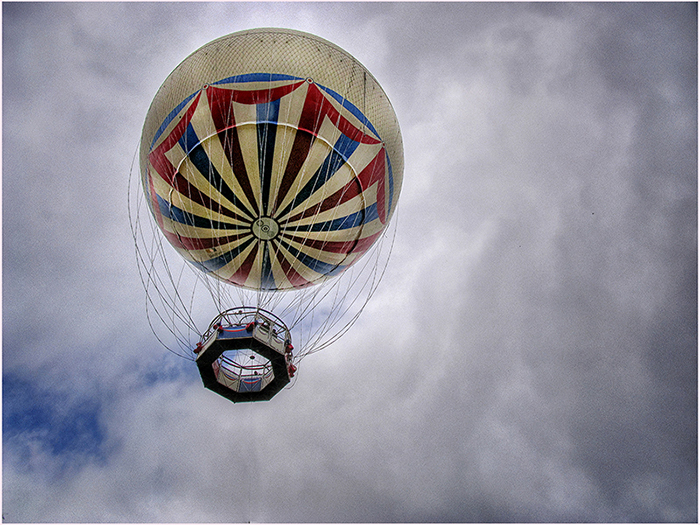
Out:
{"x": 271, "y": 159}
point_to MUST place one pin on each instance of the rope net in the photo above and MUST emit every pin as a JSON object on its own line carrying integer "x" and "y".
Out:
{"x": 265, "y": 184}
{"x": 181, "y": 300}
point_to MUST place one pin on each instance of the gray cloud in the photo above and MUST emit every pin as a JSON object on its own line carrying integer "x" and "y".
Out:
{"x": 530, "y": 356}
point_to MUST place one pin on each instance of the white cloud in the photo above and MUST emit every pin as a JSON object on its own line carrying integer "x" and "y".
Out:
{"x": 508, "y": 368}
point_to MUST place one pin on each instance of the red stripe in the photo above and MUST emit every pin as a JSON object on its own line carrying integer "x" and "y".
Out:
{"x": 251, "y": 96}
{"x": 175, "y": 179}
{"x": 346, "y": 247}
{"x": 154, "y": 201}
{"x": 376, "y": 172}
{"x": 294, "y": 277}
{"x": 366, "y": 243}
{"x": 196, "y": 243}
{"x": 220, "y": 101}
{"x": 297, "y": 156}
{"x": 317, "y": 106}
{"x": 309, "y": 122}
{"x": 157, "y": 156}
{"x": 240, "y": 276}
{"x": 350, "y": 190}
{"x": 192, "y": 193}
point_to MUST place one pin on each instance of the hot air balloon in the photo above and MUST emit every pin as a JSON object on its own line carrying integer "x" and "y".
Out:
{"x": 271, "y": 161}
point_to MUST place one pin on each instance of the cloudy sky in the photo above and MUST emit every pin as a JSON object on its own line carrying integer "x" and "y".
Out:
{"x": 530, "y": 356}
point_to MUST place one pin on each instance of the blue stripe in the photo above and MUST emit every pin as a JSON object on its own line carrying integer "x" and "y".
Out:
{"x": 255, "y": 77}
{"x": 273, "y": 77}
{"x": 176, "y": 214}
{"x": 312, "y": 263}
{"x": 345, "y": 146}
{"x": 267, "y": 115}
{"x": 391, "y": 182}
{"x": 342, "y": 223}
{"x": 250, "y": 77}
{"x": 270, "y": 77}
{"x": 215, "y": 264}
{"x": 342, "y": 150}
{"x": 262, "y": 77}
{"x": 371, "y": 213}
{"x": 350, "y": 107}
{"x": 170, "y": 117}
{"x": 234, "y": 333}
{"x": 360, "y": 116}
{"x": 267, "y": 279}
{"x": 250, "y": 384}
{"x": 190, "y": 219}
{"x": 191, "y": 144}
{"x": 189, "y": 139}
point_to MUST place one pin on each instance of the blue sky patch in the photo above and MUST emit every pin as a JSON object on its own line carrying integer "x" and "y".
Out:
{"x": 64, "y": 425}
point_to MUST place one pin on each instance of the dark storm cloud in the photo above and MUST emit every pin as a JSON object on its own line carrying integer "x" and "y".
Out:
{"x": 574, "y": 290}
{"x": 531, "y": 355}
{"x": 654, "y": 65}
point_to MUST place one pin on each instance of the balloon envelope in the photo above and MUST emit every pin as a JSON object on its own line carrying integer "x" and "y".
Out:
{"x": 271, "y": 159}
